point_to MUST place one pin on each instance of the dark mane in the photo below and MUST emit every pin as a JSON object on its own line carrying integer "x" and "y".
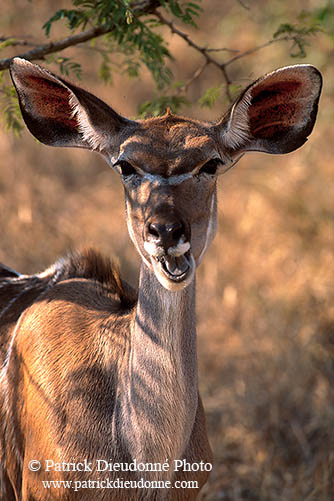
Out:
{"x": 92, "y": 265}
{"x": 88, "y": 264}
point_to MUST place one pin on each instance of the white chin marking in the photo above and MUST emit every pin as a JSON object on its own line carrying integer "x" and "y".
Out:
{"x": 167, "y": 281}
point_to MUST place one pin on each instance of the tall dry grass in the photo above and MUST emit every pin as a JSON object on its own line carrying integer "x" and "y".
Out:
{"x": 265, "y": 289}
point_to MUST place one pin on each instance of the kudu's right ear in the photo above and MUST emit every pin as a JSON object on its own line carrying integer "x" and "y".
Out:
{"x": 275, "y": 114}
{"x": 58, "y": 113}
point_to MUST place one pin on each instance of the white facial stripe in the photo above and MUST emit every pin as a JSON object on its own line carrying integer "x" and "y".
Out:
{"x": 133, "y": 238}
{"x": 210, "y": 228}
{"x": 153, "y": 249}
{"x": 172, "y": 180}
{"x": 179, "y": 249}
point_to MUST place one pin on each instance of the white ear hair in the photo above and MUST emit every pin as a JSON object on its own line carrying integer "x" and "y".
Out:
{"x": 92, "y": 136}
{"x": 237, "y": 128}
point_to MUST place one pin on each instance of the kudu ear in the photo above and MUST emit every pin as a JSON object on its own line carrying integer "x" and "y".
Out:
{"x": 58, "y": 113}
{"x": 275, "y": 114}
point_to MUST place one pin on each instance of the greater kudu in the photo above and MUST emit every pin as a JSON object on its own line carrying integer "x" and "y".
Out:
{"x": 90, "y": 369}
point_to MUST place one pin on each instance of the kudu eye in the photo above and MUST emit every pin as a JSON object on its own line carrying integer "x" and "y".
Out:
{"x": 126, "y": 168}
{"x": 210, "y": 167}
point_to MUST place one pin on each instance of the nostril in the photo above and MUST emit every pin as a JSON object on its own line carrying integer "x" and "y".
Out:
{"x": 153, "y": 230}
{"x": 177, "y": 232}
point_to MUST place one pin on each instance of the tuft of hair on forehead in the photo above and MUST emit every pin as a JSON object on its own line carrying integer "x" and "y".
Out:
{"x": 176, "y": 132}
{"x": 169, "y": 120}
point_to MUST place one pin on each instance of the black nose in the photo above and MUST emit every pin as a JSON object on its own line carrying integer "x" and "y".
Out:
{"x": 165, "y": 234}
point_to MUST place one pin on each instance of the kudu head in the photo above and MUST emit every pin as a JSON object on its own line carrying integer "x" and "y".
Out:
{"x": 169, "y": 165}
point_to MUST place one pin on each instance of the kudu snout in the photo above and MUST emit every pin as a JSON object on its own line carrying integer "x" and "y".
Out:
{"x": 166, "y": 230}
{"x": 165, "y": 234}
{"x": 167, "y": 241}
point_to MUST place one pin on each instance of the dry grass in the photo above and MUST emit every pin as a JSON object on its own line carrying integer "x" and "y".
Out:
{"x": 265, "y": 289}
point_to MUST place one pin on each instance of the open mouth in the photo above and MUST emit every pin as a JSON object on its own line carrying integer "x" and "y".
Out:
{"x": 176, "y": 268}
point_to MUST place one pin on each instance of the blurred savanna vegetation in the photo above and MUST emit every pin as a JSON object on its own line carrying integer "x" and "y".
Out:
{"x": 265, "y": 289}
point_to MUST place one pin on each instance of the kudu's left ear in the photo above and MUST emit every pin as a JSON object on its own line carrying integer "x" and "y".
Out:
{"x": 275, "y": 114}
{"x": 58, "y": 113}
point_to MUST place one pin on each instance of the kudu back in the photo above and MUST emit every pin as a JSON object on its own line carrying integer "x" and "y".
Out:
{"x": 91, "y": 370}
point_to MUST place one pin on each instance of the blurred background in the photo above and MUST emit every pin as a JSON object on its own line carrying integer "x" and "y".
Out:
{"x": 265, "y": 289}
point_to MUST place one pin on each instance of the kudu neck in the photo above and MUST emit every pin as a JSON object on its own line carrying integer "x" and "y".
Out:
{"x": 166, "y": 317}
{"x": 163, "y": 391}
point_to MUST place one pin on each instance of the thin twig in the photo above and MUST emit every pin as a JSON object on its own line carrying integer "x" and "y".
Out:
{"x": 245, "y": 6}
{"x": 17, "y": 41}
{"x": 186, "y": 37}
{"x": 208, "y": 49}
{"x": 259, "y": 47}
{"x": 195, "y": 76}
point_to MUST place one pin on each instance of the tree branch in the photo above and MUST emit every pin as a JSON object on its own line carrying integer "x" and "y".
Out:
{"x": 139, "y": 8}
{"x": 211, "y": 60}
{"x": 41, "y": 51}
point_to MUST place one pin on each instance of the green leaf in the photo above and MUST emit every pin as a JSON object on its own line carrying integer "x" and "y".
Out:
{"x": 12, "y": 116}
{"x": 210, "y": 96}
{"x": 283, "y": 28}
{"x": 105, "y": 72}
{"x": 68, "y": 66}
{"x": 184, "y": 11}
{"x": 307, "y": 26}
{"x": 235, "y": 90}
{"x": 7, "y": 43}
{"x": 75, "y": 18}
